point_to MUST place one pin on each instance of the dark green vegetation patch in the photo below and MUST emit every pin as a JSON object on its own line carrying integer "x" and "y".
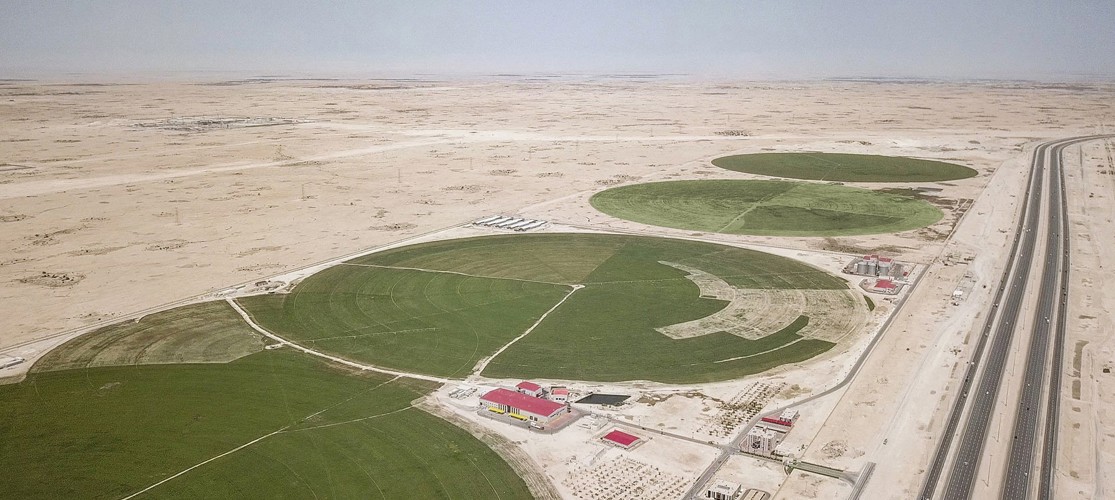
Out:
{"x": 767, "y": 208}
{"x": 112, "y": 431}
{"x": 440, "y": 307}
{"x": 844, "y": 167}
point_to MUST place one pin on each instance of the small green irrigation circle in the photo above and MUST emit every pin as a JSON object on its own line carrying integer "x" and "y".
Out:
{"x": 766, "y": 208}
{"x": 842, "y": 167}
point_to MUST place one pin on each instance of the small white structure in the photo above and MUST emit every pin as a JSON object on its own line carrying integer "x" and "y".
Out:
{"x": 507, "y": 223}
{"x": 790, "y": 416}
{"x": 722, "y": 490}
{"x": 495, "y": 221}
{"x": 533, "y": 225}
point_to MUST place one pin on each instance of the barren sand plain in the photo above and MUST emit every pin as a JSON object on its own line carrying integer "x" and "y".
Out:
{"x": 116, "y": 199}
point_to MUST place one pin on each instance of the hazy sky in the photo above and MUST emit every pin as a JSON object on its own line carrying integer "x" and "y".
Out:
{"x": 1051, "y": 39}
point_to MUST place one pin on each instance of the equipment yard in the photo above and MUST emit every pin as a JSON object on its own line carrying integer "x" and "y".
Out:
{"x": 582, "y": 289}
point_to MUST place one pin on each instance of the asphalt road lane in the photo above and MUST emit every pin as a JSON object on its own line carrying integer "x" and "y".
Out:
{"x": 970, "y": 448}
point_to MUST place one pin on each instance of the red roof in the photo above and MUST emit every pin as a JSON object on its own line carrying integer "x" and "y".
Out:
{"x": 560, "y": 391}
{"x": 621, "y": 438}
{"x": 529, "y": 386}
{"x": 778, "y": 421}
{"x": 885, "y": 259}
{"x": 519, "y": 401}
{"x": 888, "y": 284}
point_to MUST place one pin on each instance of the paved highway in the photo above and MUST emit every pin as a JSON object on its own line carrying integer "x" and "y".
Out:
{"x": 1053, "y": 405}
{"x": 1050, "y": 315}
{"x": 1005, "y": 320}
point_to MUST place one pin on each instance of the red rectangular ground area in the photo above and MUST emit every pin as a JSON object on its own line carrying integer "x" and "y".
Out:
{"x": 621, "y": 438}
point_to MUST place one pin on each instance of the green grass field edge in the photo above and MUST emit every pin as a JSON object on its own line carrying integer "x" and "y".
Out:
{"x": 844, "y": 167}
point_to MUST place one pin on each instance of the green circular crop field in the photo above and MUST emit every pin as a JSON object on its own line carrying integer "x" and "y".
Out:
{"x": 766, "y": 208}
{"x": 844, "y": 167}
{"x": 597, "y": 307}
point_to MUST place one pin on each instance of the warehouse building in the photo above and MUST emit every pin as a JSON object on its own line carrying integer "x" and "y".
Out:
{"x": 537, "y": 411}
{"x": 622, "y": 439}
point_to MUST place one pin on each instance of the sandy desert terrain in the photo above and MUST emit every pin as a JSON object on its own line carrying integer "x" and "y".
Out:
{"x": 121, "y": 199}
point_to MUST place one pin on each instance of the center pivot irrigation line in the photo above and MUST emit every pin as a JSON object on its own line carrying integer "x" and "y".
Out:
{"x": 484, "y": 363}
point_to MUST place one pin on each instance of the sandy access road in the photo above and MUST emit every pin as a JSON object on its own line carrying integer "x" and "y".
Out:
{"x": 90, "y": 202}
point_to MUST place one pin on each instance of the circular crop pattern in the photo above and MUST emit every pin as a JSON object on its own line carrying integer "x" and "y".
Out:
{"x": 592, "y": 307}
{"x": 767, "y": 208}
{"x": 844, "y": 167}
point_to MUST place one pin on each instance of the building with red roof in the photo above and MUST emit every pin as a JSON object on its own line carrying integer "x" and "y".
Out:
{"x": 778, "y": 423}
{"x": 882, "y": 285}
{"x": 621, "y": 439}
{"x": 522, "y": 406}
{"x": 559, "y": 394}
{"x": 531, "y": 389}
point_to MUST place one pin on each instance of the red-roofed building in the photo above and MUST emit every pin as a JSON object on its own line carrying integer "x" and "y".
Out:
{"x": 530, "y": 389}
{"x": 559, "y": 394}
{"x": 778, "y": 423}
{"x": 621, "y": 439}
{"x": 522, "y": 406}
{"x": 883, "y": 286}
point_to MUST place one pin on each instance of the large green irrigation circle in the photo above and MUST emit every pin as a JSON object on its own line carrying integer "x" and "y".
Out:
{"x": 766, "y": 208}
{"x": 597, "y": 307}
{"x": 844, "y": 167}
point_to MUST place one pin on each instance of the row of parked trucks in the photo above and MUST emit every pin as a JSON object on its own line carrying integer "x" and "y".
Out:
{"x": 510, "y": 222}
